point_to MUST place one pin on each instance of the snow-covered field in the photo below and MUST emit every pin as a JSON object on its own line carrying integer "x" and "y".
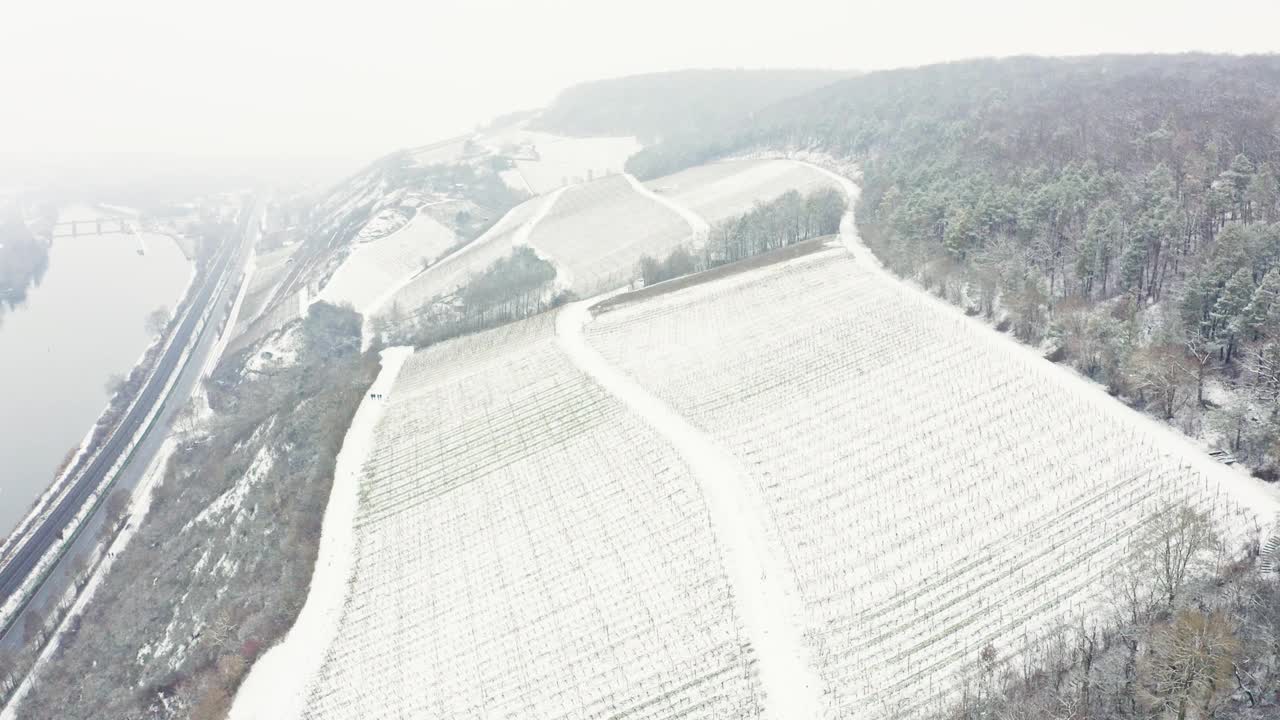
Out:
{"x": 447, "y": 151}
{"x": 379, "y": 265}
{"x": 598, "y": 231}
{"x": 935, "y": 493}
{"x": 387, "y": 221}
{"x": 724, "y": 190}
{"x": 545, "y": 162}
{"x": 269, "y": 269}
{"x": 452, "y": 271}
{"x": 525, "y": 547}
{"x": 803, "y": 490}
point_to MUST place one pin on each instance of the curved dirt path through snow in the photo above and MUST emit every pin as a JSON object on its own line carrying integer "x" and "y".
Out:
{"x": 278, "y": 683}
{"x": 564, "y": 278}
{"x": 764, "y": 591}
{"x": 698, "y": 225}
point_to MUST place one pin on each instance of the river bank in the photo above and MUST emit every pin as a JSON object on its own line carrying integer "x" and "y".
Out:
{"x": 84, "y": 324}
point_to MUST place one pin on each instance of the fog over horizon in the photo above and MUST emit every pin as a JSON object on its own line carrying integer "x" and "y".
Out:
{"x": 293, "y": 82}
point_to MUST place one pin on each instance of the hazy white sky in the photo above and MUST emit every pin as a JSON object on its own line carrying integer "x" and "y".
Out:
{"x": 356, "y": 79}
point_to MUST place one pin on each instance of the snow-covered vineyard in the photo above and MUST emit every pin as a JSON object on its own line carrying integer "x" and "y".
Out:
{"x": 598, "y": 231}
{"x": 387, "y": 262}
{"x": 545, "y": 162}
{"x": 525, "y": 548}
{"x": 528, "y": 546}
{"x": 723, "y": 190}
{"x": 453, "y": 271}
{"x": 934, "y": 495}
{"x": 800, "y": 490}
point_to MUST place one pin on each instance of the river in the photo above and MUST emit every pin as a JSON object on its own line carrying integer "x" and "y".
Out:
{"x": 84, "y": 323}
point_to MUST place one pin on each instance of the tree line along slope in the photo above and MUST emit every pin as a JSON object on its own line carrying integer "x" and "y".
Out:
{"x": 935, "y": 496}
{"x": 527, "y": 546}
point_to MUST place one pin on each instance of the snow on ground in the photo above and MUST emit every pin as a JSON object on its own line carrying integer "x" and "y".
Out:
{"x": 376, "y": 266}
{"x": 934, "y": 490}
{"x": 139, "y": 504}
{"x": 387, "y": 221}
{"x": 765, "y": 594}
{"x": 440, "y": 153}
{"x": 701, "y": 228}
{"x": 724, "y": 190}
{"x": 596, "y": 233}
{"x": 269, "y": 270}
{"x": 1263, "y": 499}
{"x": 546, "y": 162}
{"x": 805, "y": 490}
{"x": 228, "y": 328}
{"x": 452, "y": 271}
{"x": 62, "y": 483}
{"x": 277, "y": 351}
{"x": 275, "y": 688}
{"x": 526, "y": 548}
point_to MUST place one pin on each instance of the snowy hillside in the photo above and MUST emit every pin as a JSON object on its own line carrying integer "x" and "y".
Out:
{"x": 379, "y": 266}
{"x": 597, "y": 233}
{"x": 795, "y": 488}
{"x": 544, "y": 162}
{"x": 935, "y": 493}
{"x": 453, "y": 271}
{"x": 724, "y": 190}
{"x": 526, "y": 548}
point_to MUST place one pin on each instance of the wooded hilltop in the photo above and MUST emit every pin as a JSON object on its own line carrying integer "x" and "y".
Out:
{"x": 1122, "y": 214}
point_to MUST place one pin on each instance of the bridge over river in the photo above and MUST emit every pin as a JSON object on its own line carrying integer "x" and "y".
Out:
{"x": 95, "y": 226}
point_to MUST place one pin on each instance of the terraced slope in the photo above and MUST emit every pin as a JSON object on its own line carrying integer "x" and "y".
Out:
{"x": 373, "y": 268}
{"x": 934, "y": 493}
{"x": 724, "y": 190}
{"x": 597, "y": 232}
{"x": 546, "y": 162}
{"x": 452, "y": 271}
{"x": 525, "y": 548}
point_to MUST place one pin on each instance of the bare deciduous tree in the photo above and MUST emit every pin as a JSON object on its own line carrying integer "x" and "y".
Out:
{"x": 7, "y": 667}
{"x": 157, "y": 320}
{"x": 1182, "y": 534}
{"x": 1189, "y": 668}
{"x": 32, "y": 627}
{"x": 1161, "y": 371}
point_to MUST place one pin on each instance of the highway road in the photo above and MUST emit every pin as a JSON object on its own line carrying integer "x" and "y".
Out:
{"x": 230, "y": 263}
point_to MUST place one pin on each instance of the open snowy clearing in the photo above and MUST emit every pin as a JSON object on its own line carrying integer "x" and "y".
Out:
{"x": 526, "y": 548}
{"x": 724, "y": 190}
{"x": 546, "y": 162}
{"x": 598, "y": 232}
{"x": 373, "y": 267}
{"x": 269, "y": 270}
{"x": 452, "y": 271}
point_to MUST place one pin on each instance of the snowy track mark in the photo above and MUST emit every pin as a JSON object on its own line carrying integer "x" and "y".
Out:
{"x": 697, "y": 224}
{"x": 763, "y": 586}
{"x": 277, "y": 685}
{"x": 564, "y": 278}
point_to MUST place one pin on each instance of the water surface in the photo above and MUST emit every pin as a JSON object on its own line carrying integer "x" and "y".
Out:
{"x": 85, "y": 322}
